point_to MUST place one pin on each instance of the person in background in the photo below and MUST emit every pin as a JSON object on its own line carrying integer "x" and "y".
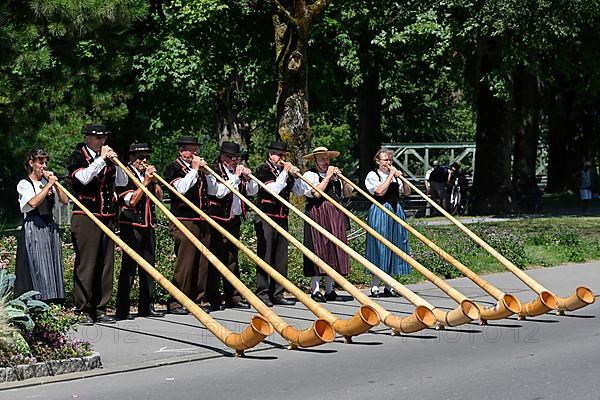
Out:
{"x": 585, "y": 186}
{"x": 384, "y": 184}
{"x": 39, "y": 256}
{"x": 136, "y": 225}
{"x": 324, "y": 176}
{"x": 438, "y": 179}
{"x": 434, "y": 164}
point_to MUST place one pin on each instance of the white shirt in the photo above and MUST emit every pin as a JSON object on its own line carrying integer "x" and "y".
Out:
{"x": 85, "y": 175}
{"x": 219, "y": 190}
{"x": 184, "y": 184}
{"x": 27, "y": 192}
{"x": 128, "y": 196}
{"x": 280, "y": 183}
{"x": 372, "y": 181}
{"x": 313, "y": 178}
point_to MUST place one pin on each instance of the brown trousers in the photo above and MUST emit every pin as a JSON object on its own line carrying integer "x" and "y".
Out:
{"x": 94, "y": 264}
{"x": 191, "y": 269}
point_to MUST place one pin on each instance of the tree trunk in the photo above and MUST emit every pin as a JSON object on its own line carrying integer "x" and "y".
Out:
{"x": 491, "y": 184}
{"x": 369, "y": 107}
{"x": 230, "y": 126}
{"x": 527, "y": 194}
{"x": 562, "y": 157}
{"x": 292, "y": 119}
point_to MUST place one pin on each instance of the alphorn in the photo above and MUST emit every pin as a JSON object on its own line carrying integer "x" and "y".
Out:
{"x": 466, "y": 312}
{"x": 321, "y": 331}
{"x": 421, "y": 318}
{"x": 546, "y": 300}
{"x": 361, "y": 322}
{"x": 507, "y": 303}
{"x": 255, "y": 333}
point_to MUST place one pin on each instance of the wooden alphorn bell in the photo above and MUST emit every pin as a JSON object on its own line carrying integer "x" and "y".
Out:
{"x": 546, "y": 300}
{"x": 421, "y": 318}
{"x": 256, "y": 332}
{"x": 365, "y": 318}
{"x": 467, "y": 310}
{"x": 507, "y": 303}
{"x": 321, "y": 331}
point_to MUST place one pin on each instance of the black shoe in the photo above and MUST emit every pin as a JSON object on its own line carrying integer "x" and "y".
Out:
{"x": 240, "y": 304}
{"x": 85, "y": 319}
{"x": 178, "y": 311}
{"x": 207, "y": 309}
{"x": 105, "y": 319}
{"x": 121, "y": 317}
{"x": 151, "y": 312}
{"x": 375, "y": 293}
{"x": 267, "y": 301}
{"x": 331, "y": 296}
{"x": 282, "y": 301}
{"x": 390, "y": 293}
{"x": 217, "y": 307}
{"x": 318, "y": 297}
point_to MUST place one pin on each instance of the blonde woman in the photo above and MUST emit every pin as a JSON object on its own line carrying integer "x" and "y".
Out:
{"x": 384, "y": 184}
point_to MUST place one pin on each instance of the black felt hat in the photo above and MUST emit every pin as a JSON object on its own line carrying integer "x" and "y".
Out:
{"x": 135, "y": 147}
{"x": 188, "y": 140}
{"x": 276, "y": 145}
{"x": 95, "y": 129}
{"x": 230, "y": 148}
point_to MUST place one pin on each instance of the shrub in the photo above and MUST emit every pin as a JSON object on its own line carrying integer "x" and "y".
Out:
{"x": 31, "y": 331}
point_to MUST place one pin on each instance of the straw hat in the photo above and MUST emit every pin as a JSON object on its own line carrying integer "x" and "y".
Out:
{"x": 321, "y": 150}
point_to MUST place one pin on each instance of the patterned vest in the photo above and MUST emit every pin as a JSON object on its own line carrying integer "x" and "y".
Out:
{"x": 98, "y": 195}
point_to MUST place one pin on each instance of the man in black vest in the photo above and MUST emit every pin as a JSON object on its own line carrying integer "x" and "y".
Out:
{"x": 93, "y": 180}
{"x": 191, "y": 270}
{"x": 228, "y": 210}
{"x": 136, "y": 224}
{"x": 271, "y": 246}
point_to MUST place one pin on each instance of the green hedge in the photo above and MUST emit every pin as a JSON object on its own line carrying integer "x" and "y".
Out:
{"x": 527, "y": 243}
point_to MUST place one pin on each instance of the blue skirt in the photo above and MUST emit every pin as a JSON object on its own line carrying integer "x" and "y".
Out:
{"x": 378, "y": 253}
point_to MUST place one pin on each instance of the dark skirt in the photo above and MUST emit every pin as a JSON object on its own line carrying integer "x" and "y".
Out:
{"x": 334, "y": 221}
{"x": 39, "y": 259}
{"x": 378, "y": 253}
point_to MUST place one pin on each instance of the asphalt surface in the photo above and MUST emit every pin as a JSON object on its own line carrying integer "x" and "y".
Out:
{"x": 546, "y": 357}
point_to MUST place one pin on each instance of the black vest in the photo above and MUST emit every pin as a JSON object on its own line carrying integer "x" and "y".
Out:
{"x": 267, "y": 203}
{"x": 142, "y": 214}
{"x": 196, "y": 194}
{"x": 98, "y": 195}
{"x": 44, "y": 209}
{"x": 333, "y": 190}
{"x": 392, "y": 195}
{"x": 221, "y": 208}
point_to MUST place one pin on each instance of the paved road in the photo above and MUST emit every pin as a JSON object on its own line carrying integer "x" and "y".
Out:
{"x": 548, "y": 357}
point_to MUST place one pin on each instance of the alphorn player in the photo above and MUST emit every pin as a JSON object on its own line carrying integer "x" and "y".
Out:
{"x": 228, "y": 210}
{"x": 136, "y": 225}
{"x": 191, "y": 270}
{"x": 271, "y": 246}
{"x": 324, "y": 176}
{"x": 93, "y": 178}
{"x": 39, "y": 263}
{"x": 386, "y": 187}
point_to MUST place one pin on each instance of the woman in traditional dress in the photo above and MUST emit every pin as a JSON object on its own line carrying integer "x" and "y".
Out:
{"x": 384, "y": 185}
{"x": 39, "y": 257}
{"x": 324, "y": 176}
